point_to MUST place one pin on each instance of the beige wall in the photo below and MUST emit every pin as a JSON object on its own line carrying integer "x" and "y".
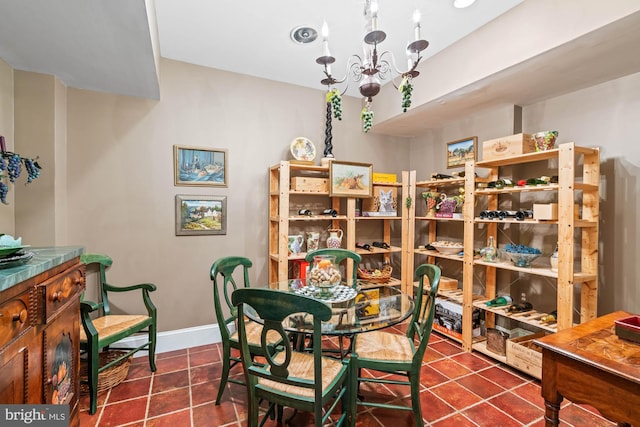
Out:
{"x": 120, "y": 175}
{"x": 7, "y": 212}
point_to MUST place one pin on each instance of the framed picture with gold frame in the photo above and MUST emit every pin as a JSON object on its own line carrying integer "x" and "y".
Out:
{"x": 200, "y": 166}
{"x": 350, "y": 179}
{"x": 461, "y": 151}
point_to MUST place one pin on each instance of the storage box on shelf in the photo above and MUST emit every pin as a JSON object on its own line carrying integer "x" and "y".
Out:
{"x": 291, "y": 185}
{"x": 524, "y": 354}
{"x": 572, "y": 179}
{"x": 507, "y": 146}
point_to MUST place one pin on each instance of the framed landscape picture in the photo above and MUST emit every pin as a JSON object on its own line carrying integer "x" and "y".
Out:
{"x": 200, "y": 166}
{"x": 350, "y": 179}
{"x": 461, "y": 151}
{"x": 201, "y": 215}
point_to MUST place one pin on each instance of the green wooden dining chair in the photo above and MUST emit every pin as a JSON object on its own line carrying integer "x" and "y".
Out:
{"x": 228, "y": 274}
{"x": 101, "y": 328}
{"x": 341, "y": 255}
{"x": 398, "y": 354}
{"x": 304, "y": 381}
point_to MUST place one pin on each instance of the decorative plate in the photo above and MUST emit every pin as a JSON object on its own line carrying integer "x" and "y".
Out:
{"x": 8, "y": 250}
{"x": 339, "y": 293}
{"x": 303, "y": 149}
{"x": 16, "y": 260}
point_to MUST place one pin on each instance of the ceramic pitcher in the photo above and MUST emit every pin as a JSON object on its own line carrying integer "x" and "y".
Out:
{"x": 335, "y": 238}
{"x": 313, "y": 238}
{"x": 295, "y": 244}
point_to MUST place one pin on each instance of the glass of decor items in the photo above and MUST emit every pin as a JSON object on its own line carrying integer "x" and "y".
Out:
{"x": 521, "y": 255}
{"x": 490, "y": 253}
{"x": 324, "y": 274}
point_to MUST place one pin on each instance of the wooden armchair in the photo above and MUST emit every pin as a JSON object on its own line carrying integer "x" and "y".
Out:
{"x": 101, "y": 329}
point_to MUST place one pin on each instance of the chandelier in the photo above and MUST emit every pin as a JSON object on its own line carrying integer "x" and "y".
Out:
{"x": 370, "y": 69}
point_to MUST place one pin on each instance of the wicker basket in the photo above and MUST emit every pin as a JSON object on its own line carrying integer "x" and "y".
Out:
{"x": 111, "y": 376}
{"x": 383, "y": 277}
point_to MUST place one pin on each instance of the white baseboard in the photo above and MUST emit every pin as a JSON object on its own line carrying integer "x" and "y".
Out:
{"x": 175, "y": 340}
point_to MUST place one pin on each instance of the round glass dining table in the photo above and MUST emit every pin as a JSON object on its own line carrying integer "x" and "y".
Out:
{"x": 354, "y": 310}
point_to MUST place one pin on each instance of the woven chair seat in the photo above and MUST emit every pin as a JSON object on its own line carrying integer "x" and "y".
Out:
{"x": 385, "y": 346}
{"x": 301, "y": 366}
{"x": 113, "y": 324}
{"x": 254, "y": 333}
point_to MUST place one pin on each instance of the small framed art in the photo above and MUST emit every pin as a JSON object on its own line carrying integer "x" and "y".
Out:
{"x": 461, "y": 151}
{"x": 200, "y": 215}
{"x": 349, "y": 179}
{"x": 200, "y": 166}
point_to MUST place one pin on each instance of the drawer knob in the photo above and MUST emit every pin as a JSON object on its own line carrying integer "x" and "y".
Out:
{"x": 55, "y": 296}
{"x": 20, "y": 317}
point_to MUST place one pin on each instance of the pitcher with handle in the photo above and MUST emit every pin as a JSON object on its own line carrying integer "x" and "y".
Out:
{"x": 335, "y": 238}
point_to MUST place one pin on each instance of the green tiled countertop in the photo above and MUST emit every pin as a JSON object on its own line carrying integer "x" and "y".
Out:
{"x": 43, "y": 260}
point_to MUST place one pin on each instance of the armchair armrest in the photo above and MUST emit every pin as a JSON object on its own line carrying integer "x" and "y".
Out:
{"x": 89, "y": 306}
{"x": 150, "y": 287}
{"x": 144, "y": 287}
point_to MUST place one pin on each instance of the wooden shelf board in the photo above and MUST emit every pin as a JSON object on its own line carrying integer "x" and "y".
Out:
{"x": 317, "y": 218}
{"x": 521, "y": 158}
{"x": 438, "y": 254}
{"x": 481, "y": 347}
{"x": 430, "y": 218}
{"x": 538, "y": 271}
{"x": 516, "y": 189}
{"x": 309, "y": 193}
{"x": 375, "y": 251}
{"x": 515, "y": 221}
{"x": 387, "y": 184}
{"x": 358, "y": 218}
{"x": 440, "y": 182}
{"x": 530, "y": 318}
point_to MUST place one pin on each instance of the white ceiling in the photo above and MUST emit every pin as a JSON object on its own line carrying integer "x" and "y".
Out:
{"x": 106, "y": 45}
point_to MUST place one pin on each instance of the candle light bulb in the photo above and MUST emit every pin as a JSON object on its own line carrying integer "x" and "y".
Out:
{"x": 325, "y": 39}
{"x": 416, "y": 22}
{"x": 374, "y": 15}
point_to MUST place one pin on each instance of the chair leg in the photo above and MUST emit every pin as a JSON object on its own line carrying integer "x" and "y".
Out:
{"x": 415, "y": 399}
{"x": 226, "y": 366}
{"x": 152, "y": 347}
{"x": 92, "y": 377}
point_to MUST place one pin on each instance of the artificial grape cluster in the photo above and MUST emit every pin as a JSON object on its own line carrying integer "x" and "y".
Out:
{"x": 14, "y": 167}
{"x": 367, "y": 119}
{"x": 521, "y": 249}
{"x": 336, "y": 103}
{"x": 407, "y": 88}
{"x": 3, "y": 192}
{"x": 33, "y": 169}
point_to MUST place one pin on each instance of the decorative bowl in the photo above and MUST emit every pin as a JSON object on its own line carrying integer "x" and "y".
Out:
{"x": 544, "y": 141}
{"x": 522, "y": 259}
{"x": 446, "y": 247}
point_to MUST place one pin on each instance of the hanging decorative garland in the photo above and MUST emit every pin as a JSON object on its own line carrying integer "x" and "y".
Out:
{"x": 11, "y": 167}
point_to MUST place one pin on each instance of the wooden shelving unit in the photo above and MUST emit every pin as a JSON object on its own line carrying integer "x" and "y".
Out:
{"x": 282, "y": 216}
{"x": 578, "y": 170}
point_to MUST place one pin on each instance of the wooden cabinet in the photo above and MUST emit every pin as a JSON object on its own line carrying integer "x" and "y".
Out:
{"x": 285, "y": 203}
{"x": 39, "y": 338}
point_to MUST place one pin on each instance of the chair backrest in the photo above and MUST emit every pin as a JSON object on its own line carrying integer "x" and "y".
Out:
{"x": 425, "y": 307}
{"x": 224, "y": 283}
{"x": 274, "y": 306}
{"x": 341, "y": 255}
{"x": 103, "y": 261}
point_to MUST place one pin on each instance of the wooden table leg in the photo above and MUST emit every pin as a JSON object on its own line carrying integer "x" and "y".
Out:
{"x": 552, "y": 399}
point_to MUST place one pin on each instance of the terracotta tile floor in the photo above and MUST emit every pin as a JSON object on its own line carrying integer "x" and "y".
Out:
{"x": 458, "y": 389}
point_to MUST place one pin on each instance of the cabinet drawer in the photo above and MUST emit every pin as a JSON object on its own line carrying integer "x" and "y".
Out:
{"x": 59, "y": 290}
{"x": 16, "y": 315}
